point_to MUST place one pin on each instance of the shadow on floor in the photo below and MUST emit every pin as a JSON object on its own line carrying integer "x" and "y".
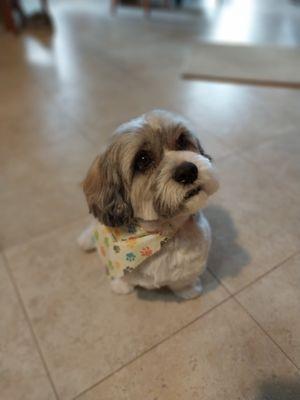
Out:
{"x": 227, "y": 256}
{"x": 224, "y": 247}
{"x": 162, "y": 295}
{"x": 280, "y": 390}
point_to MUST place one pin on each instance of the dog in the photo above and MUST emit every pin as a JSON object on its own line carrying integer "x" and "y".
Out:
{"x": 146, "y": 192}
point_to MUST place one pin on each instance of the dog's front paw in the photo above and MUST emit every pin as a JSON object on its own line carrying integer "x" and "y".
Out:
{"x": 190, "y": 292}
{"x": 85, "y": 240}
{"x": 119, "y": 286}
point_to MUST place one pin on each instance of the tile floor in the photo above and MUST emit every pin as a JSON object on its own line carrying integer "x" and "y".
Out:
{"x": 63, "y": 334}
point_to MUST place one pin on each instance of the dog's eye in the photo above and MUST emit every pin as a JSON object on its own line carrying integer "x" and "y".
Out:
{"x": 182, "y": 143}
{"x": 143, "y": 160}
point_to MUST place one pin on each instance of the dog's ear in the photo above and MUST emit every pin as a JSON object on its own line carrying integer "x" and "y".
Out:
{"x": 201, "y": 150}
{"x": 105, "y": 191}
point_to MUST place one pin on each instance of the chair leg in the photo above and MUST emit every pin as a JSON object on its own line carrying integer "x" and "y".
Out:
{"x": 146, "y": 5}
{"x": 113, "y": 6}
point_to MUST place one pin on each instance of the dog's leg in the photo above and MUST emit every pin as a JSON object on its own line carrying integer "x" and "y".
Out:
{"x": 120, "y": 286}
{"x": 188, "y": 292}
{"x": 85, "y": 240}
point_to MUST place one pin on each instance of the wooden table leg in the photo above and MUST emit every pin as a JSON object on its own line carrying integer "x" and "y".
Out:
{"x": 7, "y": 12}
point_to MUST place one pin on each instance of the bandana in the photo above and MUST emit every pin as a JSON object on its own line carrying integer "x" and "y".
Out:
{"x": 123, "y": 249}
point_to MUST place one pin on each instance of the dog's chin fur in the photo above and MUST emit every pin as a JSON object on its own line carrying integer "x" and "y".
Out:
{"x": 117, "y": 194}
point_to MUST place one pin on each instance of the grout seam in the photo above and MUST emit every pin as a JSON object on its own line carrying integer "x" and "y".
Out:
{"x": 220, "y": 282}
{"x": 165, "y": 339}
{"x": 265, "y": 332}
{"x": 230, "y": 296}
{"x": 33, "y": 335}
{"x": 45, "y": 233}
{"x": 276, "y": 266}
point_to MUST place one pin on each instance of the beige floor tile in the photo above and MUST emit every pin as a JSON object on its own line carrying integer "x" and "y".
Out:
{"x": 97, "y": 112}
{"x": 61, "y": 97}
{"x": 101, "y": 128}
{"x": 22, "y": 98}
{"x": 224, "y": 355}
{"x": 22, "y": 375}
{"x": 282, "y": 105}
{"x": 87, "y": 332}
{"x": 274, "y": 301}
{"x": 41, "y": 171}
{"x": 32, "y": 134}
{"x": 253, "y": 228}
{"x": 242, "y": 116}
{"x": 102, "y": 83}
{"x": 280, "y": 158}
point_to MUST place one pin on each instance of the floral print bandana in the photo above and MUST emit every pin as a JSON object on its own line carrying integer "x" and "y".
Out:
{"x": 123, "y": 249}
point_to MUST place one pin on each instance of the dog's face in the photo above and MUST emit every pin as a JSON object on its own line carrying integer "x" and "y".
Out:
{"x": 154, "y": 169}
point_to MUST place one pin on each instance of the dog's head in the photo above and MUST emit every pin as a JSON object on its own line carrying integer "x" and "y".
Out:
{"x": 155, "y": 168}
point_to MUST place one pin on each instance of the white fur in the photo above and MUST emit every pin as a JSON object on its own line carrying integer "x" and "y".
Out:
{"x": 178, "y": 265}
{"x": 120, "y": 286}
{"x": 85, "y": 239}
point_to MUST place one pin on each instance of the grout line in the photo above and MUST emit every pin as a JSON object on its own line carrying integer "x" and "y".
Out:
{"x": 220, "y": 281}
{"x": 152, "y": 347}
{"x": 266, "y": 273}
{"x": 27, "y": 318}
{"x": 45, "y": 233}
{"x": 265, "y": 332}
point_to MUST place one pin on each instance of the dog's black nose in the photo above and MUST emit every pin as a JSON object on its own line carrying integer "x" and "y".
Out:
{"x": 185, "y": 173}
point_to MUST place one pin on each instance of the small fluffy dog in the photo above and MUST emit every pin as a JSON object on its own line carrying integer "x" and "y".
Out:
{"x": 145, "y": 192}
